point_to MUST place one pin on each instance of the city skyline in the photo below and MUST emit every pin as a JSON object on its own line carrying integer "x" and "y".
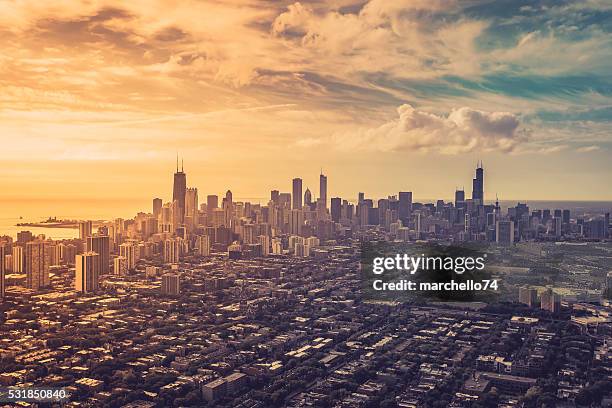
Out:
{"x": 100, "y": 95}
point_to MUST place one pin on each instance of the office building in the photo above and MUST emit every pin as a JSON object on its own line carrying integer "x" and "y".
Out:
{"x": 323, "y": 190}
{"x": 504, "y": 232}
{"x": 85, "y": 228}
{"x": 86, "y": 272}
{"x": 203, "y": 245}
{"x": 179, "y": 189}
{"x": 528, "y": 296}
{"x": 37, "y": 265}
{"x": 128, "y": 251}
{"x": 157, "y": 206}
{"x": 297, "y": 193}
{"x": 120, "y": 266}
{"x": 170, "y": 284}
{"x": 100, "y": 244}
{"x": 478, "y": 185}
{"x": 336, "y": 209}
{"x": 212, "y": 202}
{"x": 18, "y": 259}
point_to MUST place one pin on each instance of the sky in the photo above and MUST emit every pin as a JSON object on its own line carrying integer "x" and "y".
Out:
{"x": 98, "y": 97}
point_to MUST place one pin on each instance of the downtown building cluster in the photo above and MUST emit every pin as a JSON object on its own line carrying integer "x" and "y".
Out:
{"x": 234, "y": 304}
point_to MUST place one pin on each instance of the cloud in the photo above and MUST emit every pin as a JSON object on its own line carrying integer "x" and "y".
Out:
{"x": 463, "y": 130}
{"x": 587, "y": 149}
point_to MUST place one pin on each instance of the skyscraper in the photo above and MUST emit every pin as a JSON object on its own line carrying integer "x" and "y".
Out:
{"x": 87, "y": 272}
{"x": 100, "y": 244}
{"x": 178, "y": 191}
{"x": 212, "y": 202}
{"x": 171, "y": 284}
{"x": 307, "y": 197}
{"x": 157, "y": 206}
{"x": 336, "y": 208}
{"x": 172, "y": 250}
{"x": 18, "y": 259}
{"x": 504, "y": 232}
{"x": 459, "y": 198}
{"x": 36, "y": 265}
{"x": 478, "y": 184}
{"x": 405, "y": 206}
{"x": 323, "y": 189}
{"x": 84, "y": 229}
{"x": 297, "y": 193}
{"x": 128, "y": 251}
{"x": 3, "y": 253}
{"x": 191, "y": 207}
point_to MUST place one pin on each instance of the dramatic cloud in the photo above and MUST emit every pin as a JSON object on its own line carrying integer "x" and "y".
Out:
{"x": 463, "y": 130}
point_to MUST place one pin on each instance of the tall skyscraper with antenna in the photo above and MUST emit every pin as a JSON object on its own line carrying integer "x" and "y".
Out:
{"x": 179, "y": 189}
{"x": 478, "y": 184}
{"x": 323, "y": 189}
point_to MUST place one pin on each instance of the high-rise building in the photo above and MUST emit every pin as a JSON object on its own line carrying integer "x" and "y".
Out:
{"x": 172, "y": 250}
{"x": 120, "y": 266}
{"x": 297, "y": 193}
{"x": 36, "y": 265}
{"x": 157, "y": 206}
{"x": 405, "y": 206}
{"x": 307, "y": 198}
{"x": 212, "y": 202}
{"x": 336, "y": 209}
{"x": 24, "y": 236}
{"x": 551, "y": 301}
{"x": 504, "y": 232}
{"x": 100, "y": 244}
{"x": 478, "y": 185}
{"x": 274, "y": 196}
{"x": 18, "y": 259}
{"x": 265, "y": 243}
{"x": 191, "y": 207}
{"x": 178, "y": 192}
{"x": 84, "y": 229}
{"x": 296, "y": 222}
{"x": 87, "y": 272}
{"x": 203, "y": 245}
{"x": 323, "y": 189}
{"x": 128, "y": 251}
{"x": 528, "y": 296}
{"x": 459, "y": 198}
{"x": 566, "y": 216}
{"x": 3, "y": 253}
{"x": 171, "y": 284}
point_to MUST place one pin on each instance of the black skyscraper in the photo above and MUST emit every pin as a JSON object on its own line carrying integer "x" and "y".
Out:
{"x": 336, "y": 208}
{"x": 178, "y": 191}
{"x": 478, "y": 185}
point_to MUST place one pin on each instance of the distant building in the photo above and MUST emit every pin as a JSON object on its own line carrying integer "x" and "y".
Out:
{"x": 504, "y": 232}
{"x": 323, "y": 190}
{"x": 120, "y": 266}
{"x": 85, "y": 228}
{"x": 297, "y": 193}
{"x": 87, "y": 272}
{"x": 36, "y": 265}
{"x": 550, "y": 301}
{"x": 100, "y": 244}
{"x": 128, "y": 251}
{"x": 528, "y": 296}
{"x": 172, "y": 250}
{"x": 203, "y": 245}
{"x": 3, "y": 253}
{"x": 18, "y": 259}
{"x": 170, "y": 284}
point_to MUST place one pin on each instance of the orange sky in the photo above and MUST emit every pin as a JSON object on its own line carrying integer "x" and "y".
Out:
{"x": 97, "y": 97}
